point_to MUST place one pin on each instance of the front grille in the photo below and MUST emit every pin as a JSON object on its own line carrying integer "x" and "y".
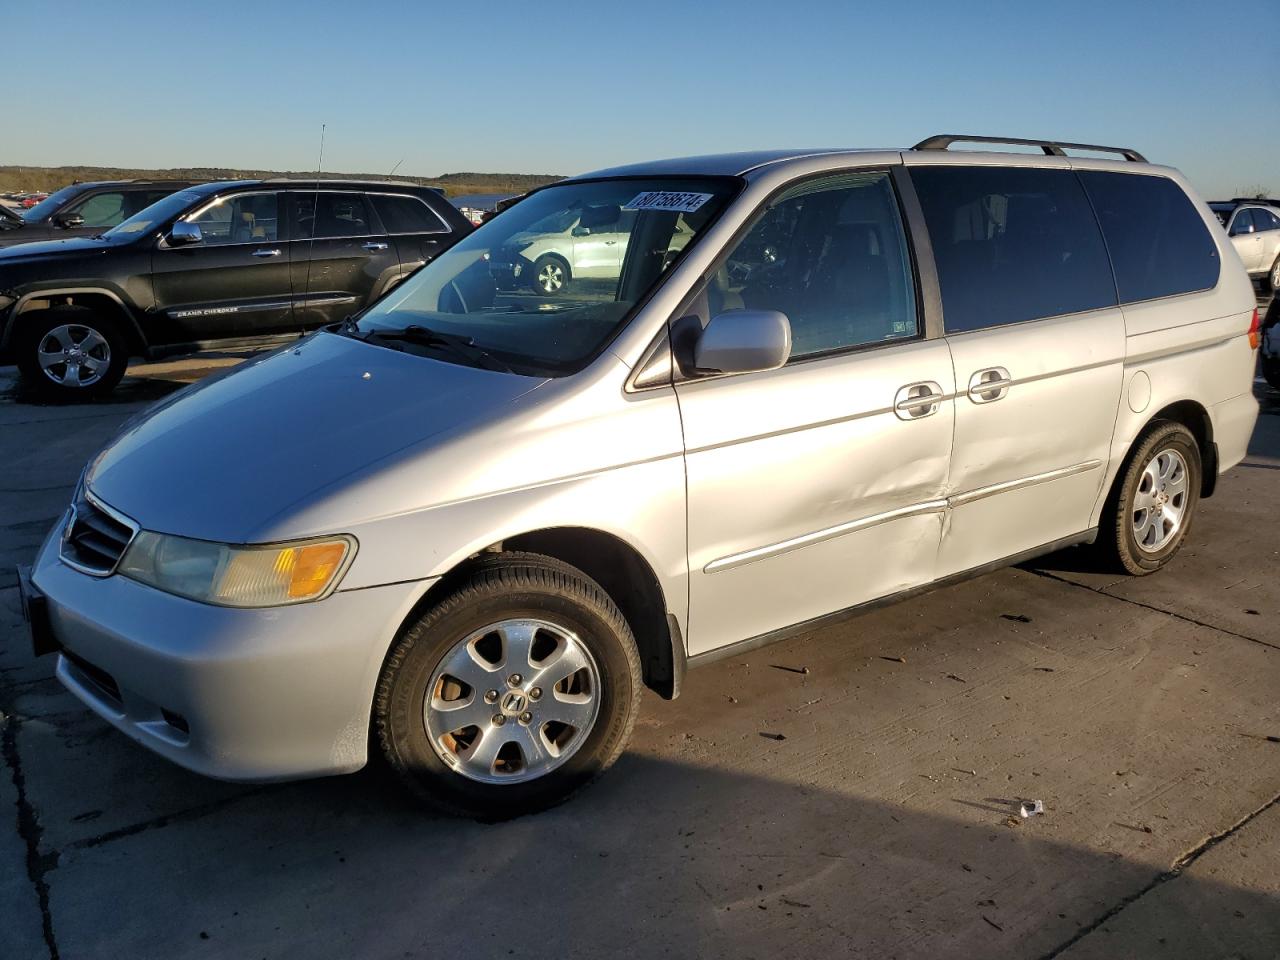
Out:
{"x": 95, "y": 540}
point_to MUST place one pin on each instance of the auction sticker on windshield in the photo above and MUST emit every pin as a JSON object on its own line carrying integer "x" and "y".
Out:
{"x": 669, "y": 200}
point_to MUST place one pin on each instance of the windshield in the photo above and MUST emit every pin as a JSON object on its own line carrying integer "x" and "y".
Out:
{"x": 544, "y": 286}
{"x": 49, "y": 205}
{"x": 154, "y": 215}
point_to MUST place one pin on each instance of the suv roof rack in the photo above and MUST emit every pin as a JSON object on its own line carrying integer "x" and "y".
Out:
{"x": 1052, "y": 148}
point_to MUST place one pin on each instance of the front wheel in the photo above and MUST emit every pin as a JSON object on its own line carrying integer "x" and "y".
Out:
{"x": 71, "y": 352}
{"x": 1274, "y": 277}
{"x": 520, "y": 687}
{"x": 1154, "y": 500}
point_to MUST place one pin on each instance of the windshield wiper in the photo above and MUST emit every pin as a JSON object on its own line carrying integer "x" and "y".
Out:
{"x": 455, "y": 343}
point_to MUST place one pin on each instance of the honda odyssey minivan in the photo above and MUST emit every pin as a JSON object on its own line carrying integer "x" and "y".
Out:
{"x": 465, "y": 528}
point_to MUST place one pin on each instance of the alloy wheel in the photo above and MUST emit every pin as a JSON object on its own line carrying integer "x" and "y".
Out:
{"x": 74, "y": 355}
{"x": 551, "y": 277}
{"x": 512, "y": 701}
{"x": 1160, "y": 502}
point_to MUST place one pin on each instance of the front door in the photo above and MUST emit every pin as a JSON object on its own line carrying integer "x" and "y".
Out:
{"x": 338, "y": 260}
{"x": 234, "y": 282}
{"x": 1038, "y": 341}
{"x": 819, "y": 485}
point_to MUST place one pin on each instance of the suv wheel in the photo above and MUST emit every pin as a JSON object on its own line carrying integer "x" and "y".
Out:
{"x": 521, "y": 686}
{"x": 71, "y": 352}
{"x": 1275, "y": 276}
{"x": 1154, "y": 501}
{"x": 550, "y": 274}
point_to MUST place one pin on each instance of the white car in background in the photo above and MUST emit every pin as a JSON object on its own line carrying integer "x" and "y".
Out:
{"x": 1254, "y": 229}
{"x": 571, "y": 244}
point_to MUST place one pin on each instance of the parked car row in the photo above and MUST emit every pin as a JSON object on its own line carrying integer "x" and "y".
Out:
{"x": 209, "y": 262}
{"x": 468, "y": 527}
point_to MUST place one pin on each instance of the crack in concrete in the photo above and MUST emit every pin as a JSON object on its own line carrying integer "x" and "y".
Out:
{"x": 29, "y": 829}
{"x": 182, "y": 816}
{"x": 1175, "y": 870}
{"x": 1147, "y": 606}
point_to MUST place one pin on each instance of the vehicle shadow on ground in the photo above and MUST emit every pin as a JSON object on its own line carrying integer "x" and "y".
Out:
{"x": 659, "y": 859}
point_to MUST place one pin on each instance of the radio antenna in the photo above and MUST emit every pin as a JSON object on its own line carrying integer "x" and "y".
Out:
{"x": 315, "y": 220}
{"x": 396, "y": 167}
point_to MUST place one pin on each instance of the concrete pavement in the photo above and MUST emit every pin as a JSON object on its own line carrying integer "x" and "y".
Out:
{"x": 883, "y": 825}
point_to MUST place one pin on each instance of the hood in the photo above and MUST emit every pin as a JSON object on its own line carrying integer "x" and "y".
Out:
{"x": 221, "y": 459}
{"x": 51, "y": 249}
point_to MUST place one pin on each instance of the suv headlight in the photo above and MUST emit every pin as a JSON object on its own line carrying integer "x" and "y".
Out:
{"x": 258, "y": 575}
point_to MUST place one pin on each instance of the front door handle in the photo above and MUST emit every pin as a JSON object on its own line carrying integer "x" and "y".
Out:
{"x": 373, "y": 246}
{"x": 265, "y": 253}
{"x": 918, "y": 400}
{"x": 989, "y": 385}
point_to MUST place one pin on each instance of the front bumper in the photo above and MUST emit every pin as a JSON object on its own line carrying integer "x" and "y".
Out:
{"x": 239, "y": 694}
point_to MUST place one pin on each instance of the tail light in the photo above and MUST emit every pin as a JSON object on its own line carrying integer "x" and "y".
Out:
{"x": 1255, "y": 331}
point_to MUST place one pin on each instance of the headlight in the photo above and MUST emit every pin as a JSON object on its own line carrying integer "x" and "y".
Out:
{"x": 237, "y": 576}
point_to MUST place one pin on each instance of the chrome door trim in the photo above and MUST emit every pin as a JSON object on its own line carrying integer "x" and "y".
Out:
{"x": 981, "y": 493}
{"x": 323, "y": 299}
{"x": 918, "y": 509}
{"x": 819, "y": 536}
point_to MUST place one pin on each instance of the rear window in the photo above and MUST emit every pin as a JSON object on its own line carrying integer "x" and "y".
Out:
{"x": 1012, "y": 244}
{"x": 1159, "y": 244}
{"x": 405, "y": 214}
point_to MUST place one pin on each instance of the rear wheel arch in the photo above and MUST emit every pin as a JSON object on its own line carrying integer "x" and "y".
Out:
{"x": 1195, "y": 418}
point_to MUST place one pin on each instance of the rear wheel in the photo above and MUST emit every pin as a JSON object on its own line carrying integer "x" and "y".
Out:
{"x": 520, "y": 687}
{"x": 71, "y": 352}
{"x": 550, "y": 274}
{"x": 1154, "y": 500}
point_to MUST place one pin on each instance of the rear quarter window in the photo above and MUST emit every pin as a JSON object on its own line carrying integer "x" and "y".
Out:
{"x": 1158, "y": 242}
{"x": 1012, "y": 244}
{"x": 405, "y": 214}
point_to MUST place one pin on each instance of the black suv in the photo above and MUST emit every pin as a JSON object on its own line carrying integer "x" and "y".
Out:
{"x": 83, "y": 209}
{"x": 213, "y": 262}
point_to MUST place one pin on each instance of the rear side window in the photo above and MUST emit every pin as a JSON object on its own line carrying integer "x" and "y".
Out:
{"x": 1159, "y": 244}
{"x": 402, "y": 214}
{"x": 330, "y": 215}
{"x": 1266, "y": 220}
{"x": 1012, "y": 244}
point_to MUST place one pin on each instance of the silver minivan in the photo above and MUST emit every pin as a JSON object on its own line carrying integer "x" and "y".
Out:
{"x": 469, "y": 526}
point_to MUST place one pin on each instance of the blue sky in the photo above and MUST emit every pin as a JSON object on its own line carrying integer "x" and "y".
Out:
{"x": 567, "y": 86}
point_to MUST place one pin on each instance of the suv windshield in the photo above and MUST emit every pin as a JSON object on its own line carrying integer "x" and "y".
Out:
{"x": 152, "y": 216}
{"x": 540, "y": 297}
{"x": 46, "y": 207}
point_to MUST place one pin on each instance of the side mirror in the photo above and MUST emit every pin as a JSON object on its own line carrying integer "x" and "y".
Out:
{"x": 744, "y": 341}
{"x": 581, "y": 231}
{"x": 184, "y": 234}
{"x": 69, "y": 221}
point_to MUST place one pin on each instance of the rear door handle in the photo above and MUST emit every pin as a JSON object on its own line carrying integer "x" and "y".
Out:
{"x": 989, "y": 385}
{"x": 265, "y": 253}
{"x": 916, "y": 401}
{"x": 374, "y": 246}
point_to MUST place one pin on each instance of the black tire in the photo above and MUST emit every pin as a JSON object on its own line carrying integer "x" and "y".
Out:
{"x": 1117, "y": 540}
{"x": 111, "y": 350}
{"x": 543, "y": 263}
{"x": 500, "y": 587}
{"x": 1271, "y": 371}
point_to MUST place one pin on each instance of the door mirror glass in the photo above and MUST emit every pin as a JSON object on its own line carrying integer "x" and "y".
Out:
{"x": 744, "y": 341}
{"x": 184, "y": 234}
{"x": 69, "y": 221}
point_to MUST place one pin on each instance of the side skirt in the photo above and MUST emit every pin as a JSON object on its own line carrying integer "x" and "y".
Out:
{"x": 849, "y": 613}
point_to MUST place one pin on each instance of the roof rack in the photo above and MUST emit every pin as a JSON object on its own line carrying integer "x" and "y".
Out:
{"x": 1052, "y": 148}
